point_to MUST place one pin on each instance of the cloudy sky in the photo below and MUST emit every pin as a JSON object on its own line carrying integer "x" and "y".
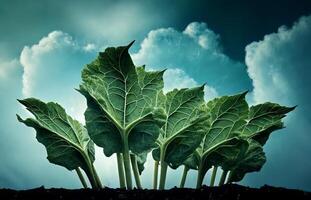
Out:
{"x": 233, "y": 46}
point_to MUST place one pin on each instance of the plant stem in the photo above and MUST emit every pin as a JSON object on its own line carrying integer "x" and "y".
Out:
{"x": 135, "y": 171}
{"x": 90, "y": 172}
{"x": 184, "y": 176}
{"x": 121, "y": 170}
{"x": 163, "y": 175}
{"x": 223, "y": 177}
{"x": 155, "y": 174}
{"x": 91, "y": 177}
{"x": 96, "y": 177}
{"x": 127, "y": 164}
{"x": 229, "y": 177}
{"x": 201, "y": 174}
{"x": 163, "y": 170}
{"x": 213, "y": 176}
{"x": 81, "y": 177}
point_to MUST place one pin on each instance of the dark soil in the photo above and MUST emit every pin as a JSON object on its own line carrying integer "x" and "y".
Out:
{"x": 235, "y": 192}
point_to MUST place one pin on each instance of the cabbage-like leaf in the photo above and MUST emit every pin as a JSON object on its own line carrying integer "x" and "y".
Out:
{"x": 66, "y": 140}
{"x": 184, "y": 127}
{"x": 119, "y": 102}
{"x": 230, "y": 119}
{"x": 250, "y": 160}
{"x": 226, "y": 117}
{"x": 225, "y": 155}
{"x": 121, "y": 116}
{"x": 263, "y": 119}
{"x": 240, "y": 157}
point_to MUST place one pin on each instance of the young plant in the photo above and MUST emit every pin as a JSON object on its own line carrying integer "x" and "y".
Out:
{"x": 128, "y": 114}
{"x": 183, "y": 129}
{"x": 121, "y": 116}
{"x": 66, "y": 140}
{"x": 230, "y": 119}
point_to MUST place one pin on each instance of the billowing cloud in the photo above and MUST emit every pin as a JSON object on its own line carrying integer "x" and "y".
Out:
{"x": 197, "y": 51}
{"x": 177, "y": 78}
{"x": 52, "y": 69}
{"x": 280, "y": 67}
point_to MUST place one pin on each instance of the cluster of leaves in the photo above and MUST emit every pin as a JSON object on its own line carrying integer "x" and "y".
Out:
{"x": 129, "y": 115}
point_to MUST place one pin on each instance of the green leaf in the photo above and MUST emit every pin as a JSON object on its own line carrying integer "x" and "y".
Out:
{"x": 184, "y": 127}
{"x": 121, "y": 103}
{"x": 252, "y": 160}
{"x": 101, "y": 130}
{"x": 66, "y": 140}
{"x": 226, "y": 117}
{"x": 141, "y": 160}
{"x": 263, "y": 119}
{"x": 192, "y": 161}
{"x": 227, "y": 154}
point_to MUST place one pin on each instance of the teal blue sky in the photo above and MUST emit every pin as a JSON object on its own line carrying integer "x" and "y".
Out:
{"x": 233, "y": 46}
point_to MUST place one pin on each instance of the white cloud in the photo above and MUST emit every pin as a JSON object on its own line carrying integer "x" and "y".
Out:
{"x": 33, "y": 58}
{"x": 177, "y": 78}
{"x": 197, "y": 51}
{"x": 280, "y": 64}
{"x": 280, "y": 67}
{"x": 89, "y": 47}
{"x": 206, "y": 38}
{"x": 52, "y": 69}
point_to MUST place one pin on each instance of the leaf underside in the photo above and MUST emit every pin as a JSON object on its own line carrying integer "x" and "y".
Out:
{"x": 66, "y": 140}
{"x": 120, "y": 99}
{"x": 184, "y": 127}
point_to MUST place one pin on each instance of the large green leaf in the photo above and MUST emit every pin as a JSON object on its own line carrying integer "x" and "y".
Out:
{"x": 239, "y": 157}
{"x": 120, "y": 104}
{"x": 227, "y": 154}
{"x": 185, "y": 125}
{"x": 230, "y": 119}
{"x": 66, "y": 140}
{"x": 262, "y": 120}
{"x": 226, "y": 117}
{"x": 249, "y": 160}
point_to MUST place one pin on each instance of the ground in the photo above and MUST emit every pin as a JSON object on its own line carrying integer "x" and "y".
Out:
{"x": 228, "y": 192}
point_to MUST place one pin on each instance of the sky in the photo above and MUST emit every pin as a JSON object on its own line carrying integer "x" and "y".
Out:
{"x": 232, "y": 46}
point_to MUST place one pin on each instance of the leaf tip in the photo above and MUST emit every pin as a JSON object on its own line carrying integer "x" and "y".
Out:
{"x": 130, "y": 44}
{"x": 19, "y": 118}
{"x": 245, "y": 92}
{"x": 293, "y": 107}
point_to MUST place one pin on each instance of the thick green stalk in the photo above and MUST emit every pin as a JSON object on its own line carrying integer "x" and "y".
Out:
{"x": 81, "y": 177}
{"x": 213, "y": 176}
{"x": 96, "y": 177}
{"x": 135, "y": 171}
{"x": 121, "y": 170}
{"x": 127, "y": 164}
{"x": 163, "y": 171}
{"x": 201, "y": 174}
{"x": 184, "y": 176}
{"x": 90, "y": 174}
{"x": 229, "y": 177}
{"x": 223, "y": 177}
{"x": 155, "y": 174}
{"x": 163, "y": 175}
